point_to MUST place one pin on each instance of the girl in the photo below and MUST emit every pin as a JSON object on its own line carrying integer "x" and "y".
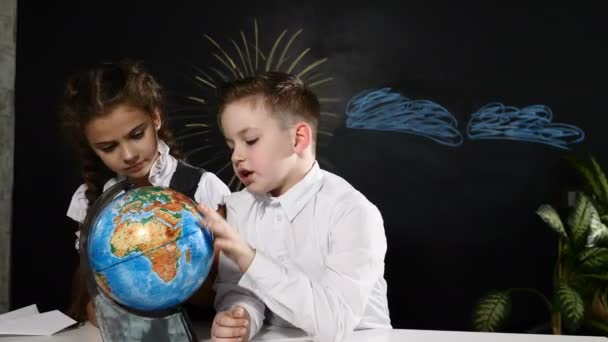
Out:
{"x": 113, "y": 113}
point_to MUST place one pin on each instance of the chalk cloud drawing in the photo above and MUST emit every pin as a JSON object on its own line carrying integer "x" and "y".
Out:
{"x": 384, "y": 109}
{"x": 532, "y": 123}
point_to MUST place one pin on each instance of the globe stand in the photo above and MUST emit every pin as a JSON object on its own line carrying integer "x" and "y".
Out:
{"x": 116, "y": 322}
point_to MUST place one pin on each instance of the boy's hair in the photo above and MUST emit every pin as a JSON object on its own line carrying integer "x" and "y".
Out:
{"x": 285, "y": 95}
{"x": 94, "y": 93}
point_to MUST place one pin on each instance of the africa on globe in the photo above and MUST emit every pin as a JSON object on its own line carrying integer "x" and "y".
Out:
{"x": 148, "y": 249}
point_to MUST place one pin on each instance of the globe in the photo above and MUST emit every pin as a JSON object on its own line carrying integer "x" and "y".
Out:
{"x": 148, "y": 249}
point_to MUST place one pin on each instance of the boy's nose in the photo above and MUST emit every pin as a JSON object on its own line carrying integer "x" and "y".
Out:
{"x": 236, "y": 156}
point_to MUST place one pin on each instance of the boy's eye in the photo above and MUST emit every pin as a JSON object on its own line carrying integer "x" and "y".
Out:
{"x": 251, "y": 142}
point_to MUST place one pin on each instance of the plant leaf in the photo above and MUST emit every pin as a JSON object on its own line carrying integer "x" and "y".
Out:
{"x": 594, "y": 259}
{"x": 551, "y": 217}
{"x": 491, "y": 310}
{"x": 571, "y": 305}
{"x": 580, "y": 219}
{"x": 586, "y": 173}
{"x": 596, "y": 276}
{"x": 598, "y": 232}
{"x": 599, "y": 325}
{"x": 601, "y": 181}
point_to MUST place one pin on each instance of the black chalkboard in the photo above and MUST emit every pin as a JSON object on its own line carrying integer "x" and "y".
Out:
{"x": 457, "y": 188}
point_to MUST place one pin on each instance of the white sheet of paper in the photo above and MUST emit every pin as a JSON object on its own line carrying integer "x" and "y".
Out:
{"x": 23, "y": 312}
{"x": 27, "y": 321}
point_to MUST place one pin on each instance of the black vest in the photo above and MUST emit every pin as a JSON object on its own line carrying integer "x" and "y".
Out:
{"x": 186, "y": 178}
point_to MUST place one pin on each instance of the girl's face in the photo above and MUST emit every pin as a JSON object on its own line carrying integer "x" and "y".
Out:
{"x": 126, "y": 141}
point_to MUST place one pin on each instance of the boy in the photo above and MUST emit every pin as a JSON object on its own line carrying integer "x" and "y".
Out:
{"x": 299, "y": 241}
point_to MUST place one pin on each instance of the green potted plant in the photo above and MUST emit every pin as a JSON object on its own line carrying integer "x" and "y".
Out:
{"x": 580, "y": 281}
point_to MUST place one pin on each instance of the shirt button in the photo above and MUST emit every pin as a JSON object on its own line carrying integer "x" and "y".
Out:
{"x": 279, "y": 218}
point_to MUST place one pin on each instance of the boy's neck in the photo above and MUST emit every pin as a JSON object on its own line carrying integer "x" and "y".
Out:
{"x": 299, "y": 171}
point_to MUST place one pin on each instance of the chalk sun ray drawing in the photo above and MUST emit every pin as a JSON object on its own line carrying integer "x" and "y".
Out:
{"x": 239, "y": 58}
{"x": 387, "y": 110}
{"x": 532, "y": 124}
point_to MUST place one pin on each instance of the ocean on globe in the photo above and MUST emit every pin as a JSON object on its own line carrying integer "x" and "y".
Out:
{"x": 148, "y": 249}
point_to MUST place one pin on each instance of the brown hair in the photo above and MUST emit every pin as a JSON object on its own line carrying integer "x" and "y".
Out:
{"x": 288, "y": 99}
{"x": 94, "y": 93}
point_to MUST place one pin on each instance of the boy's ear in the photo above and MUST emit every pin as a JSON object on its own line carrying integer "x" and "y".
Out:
{"x": 156, "y": 120}
{"x": 303, "y": 136}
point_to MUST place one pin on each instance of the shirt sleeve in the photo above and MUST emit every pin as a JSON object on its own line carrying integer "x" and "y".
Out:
{"x": 77, "y": 210}
{"x": 79, "y": 204}
{"x": 229, "y": 294}
{"x": 327, "y": 306}
{"x": 211, "y": 191}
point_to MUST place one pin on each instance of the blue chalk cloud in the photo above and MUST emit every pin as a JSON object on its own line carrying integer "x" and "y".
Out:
{"x": 532, "y": 123}
{"x": 387, "y": 110}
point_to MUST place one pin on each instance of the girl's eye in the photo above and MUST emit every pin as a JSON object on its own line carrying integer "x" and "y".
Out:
{"x": 107, "y": 148}
{"x": 137, "y": 135}
{"x": 251, "y": 142}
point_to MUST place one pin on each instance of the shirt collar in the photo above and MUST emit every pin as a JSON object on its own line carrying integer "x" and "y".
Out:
{"x": 163, "y": 166}
{"x": 294, "y": 200}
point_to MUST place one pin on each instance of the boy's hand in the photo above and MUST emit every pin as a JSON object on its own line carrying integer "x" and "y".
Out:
{"x": 227, "y": 239}
{"x": 231, "y": 325}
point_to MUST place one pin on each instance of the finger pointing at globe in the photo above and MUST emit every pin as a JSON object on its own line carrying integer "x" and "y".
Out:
{"x": 227, "y": 239}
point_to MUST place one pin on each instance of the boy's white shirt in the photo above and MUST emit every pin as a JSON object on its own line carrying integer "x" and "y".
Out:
{"x": 319, "y": 262}
{"x": 211, "y": 190}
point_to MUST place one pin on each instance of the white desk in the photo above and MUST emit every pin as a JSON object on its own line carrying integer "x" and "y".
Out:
{"x": 90, "y": 334}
